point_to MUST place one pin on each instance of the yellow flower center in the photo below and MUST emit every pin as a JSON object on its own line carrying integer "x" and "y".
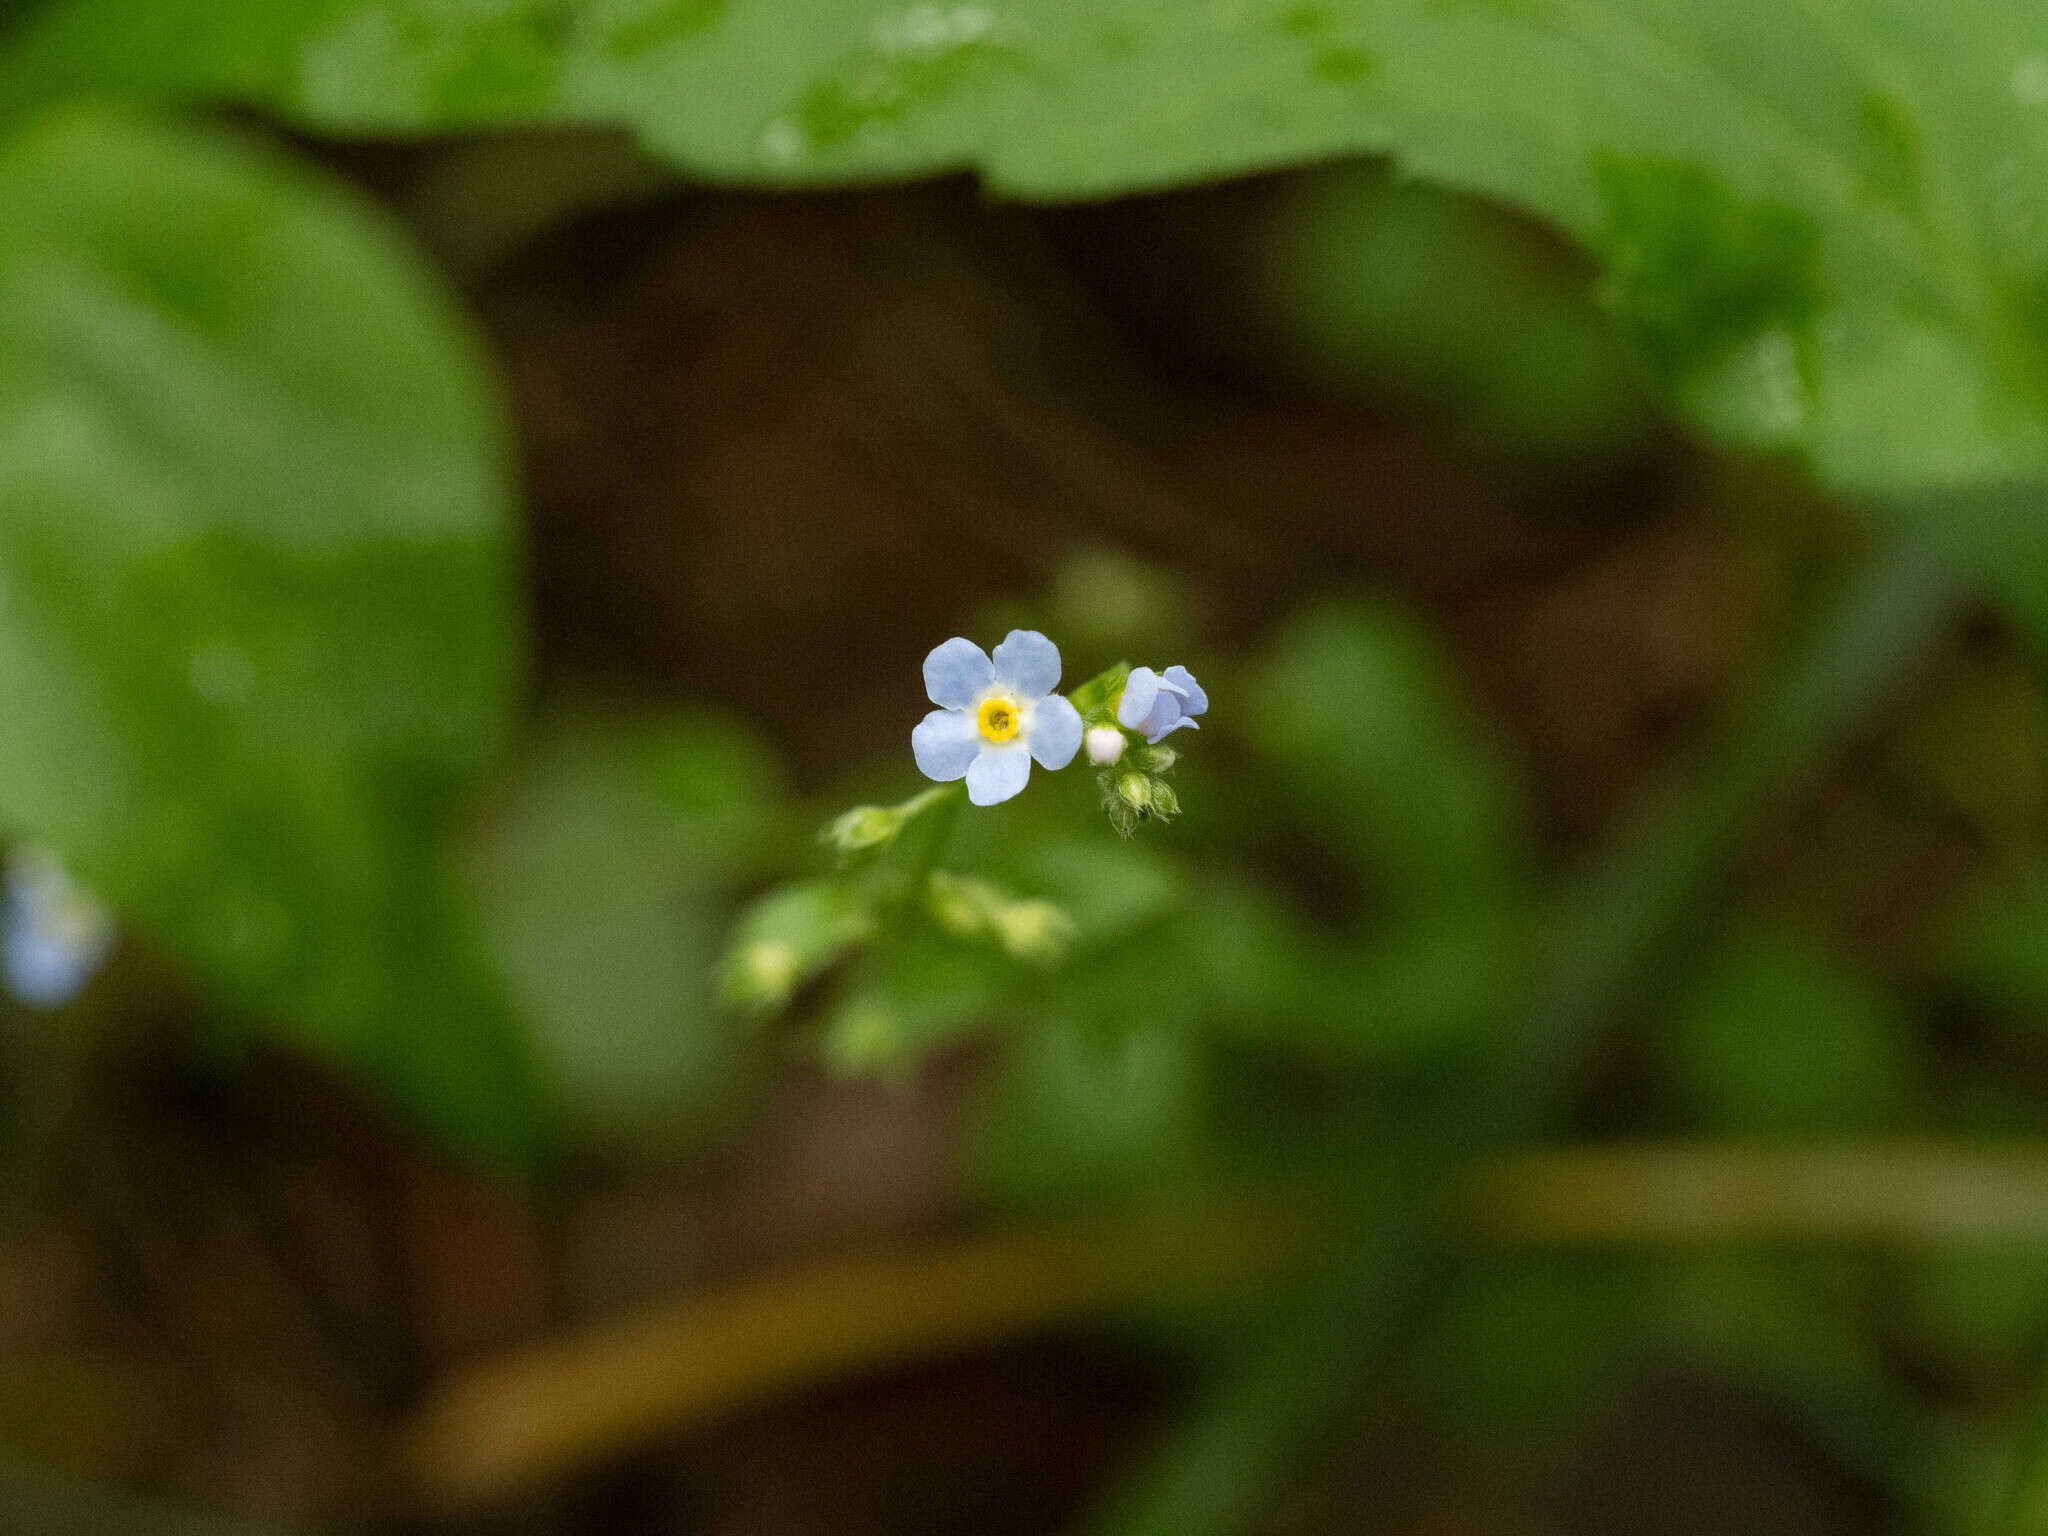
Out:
{"x": 997, "y": 718}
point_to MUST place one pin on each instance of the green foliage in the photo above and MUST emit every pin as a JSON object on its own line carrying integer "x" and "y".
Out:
{"x": 1792, "y": 1326}
{"x": 1357, "y": 709}
{"x": 1527, "y": 1347}
{"x": 911, "y": 998}
{"x": 1774, "y": 1036}
{"x": 1823, "y": 225}
{"x": 600, "y": 868}
{"x": 1380, "y": 289}
{"x": 258, "y": 628}
{"x": 2000, "y": 956}
{"x": 1083, "y": 1115}
{"x": 1978, "y": 1312}
{"x": 790, "y": 936}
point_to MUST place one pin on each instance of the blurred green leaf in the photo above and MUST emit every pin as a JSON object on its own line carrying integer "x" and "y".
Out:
{"x": 914, "y": 996}
{"x": 1382, "y": 288}
{"x": 789, "y": 936}
{"x": 1361, "y": 713}
{"x": 1793, "y": 1326}
{"x": 1775, "y": 1036}
{"x": 1112, "y": 890}
{"x": 2000, "y": 955}
{"x": 1526, "y": 1348}
{"x": 258, "y": 624}
{"x": 1777, "y": 1318}
{"x": 1824, "y": 226}
{"x": 1979, "y": 1313}
{"x": 934, "y": 984}
{"x": 601, "y": 868}
{"x": 1612, "y": 928}
{"x": 1080, "y": 1114}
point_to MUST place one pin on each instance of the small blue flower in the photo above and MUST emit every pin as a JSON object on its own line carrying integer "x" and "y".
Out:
{"x": 1156, "y": 704}
{"x": 995, "y": 716}
{"x": 53, "y": 933}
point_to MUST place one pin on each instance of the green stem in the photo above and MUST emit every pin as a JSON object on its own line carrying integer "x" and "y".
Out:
{"x": 938, "y": 817}
{"x": 1214, "y": 1476}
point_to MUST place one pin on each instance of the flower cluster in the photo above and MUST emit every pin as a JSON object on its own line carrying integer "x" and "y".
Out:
{"x": 806, "y": 943}
{"x": 998, "y": 714}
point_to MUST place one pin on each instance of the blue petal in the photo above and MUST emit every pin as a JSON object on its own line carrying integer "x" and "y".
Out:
{"x": 1140, "y": 690}
{"x": 1169, "y": 730}
{"x": 44, "y": 971}
{"x": 998, "y": 773}
{"x": 1028, "y": 662}
{"x": 945, "y": 744}
{"x": 56, "y": 933}
{"x": 1166, "y": 710}
{"x": 1182, "y": 678}
{"x": 956, "y": 674}
{"x": 1055, "y": 732}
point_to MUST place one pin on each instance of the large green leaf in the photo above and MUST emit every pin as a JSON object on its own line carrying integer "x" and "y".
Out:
{"x": 1826, "y": 223}
{"x": 601, "y": 869}
{"x": 259, "y": 623}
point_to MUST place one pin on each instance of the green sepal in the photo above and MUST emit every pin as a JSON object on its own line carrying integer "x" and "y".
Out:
{"x": 1096, "y": 698}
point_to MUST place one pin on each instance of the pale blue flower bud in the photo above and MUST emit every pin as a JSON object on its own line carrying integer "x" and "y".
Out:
{"x": 1156, "y": 704}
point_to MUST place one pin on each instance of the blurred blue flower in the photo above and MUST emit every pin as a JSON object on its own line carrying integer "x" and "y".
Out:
{"x": 994, "y": 715}
{"x": 1158, "y": 704}
{"x": 54, "y": 934}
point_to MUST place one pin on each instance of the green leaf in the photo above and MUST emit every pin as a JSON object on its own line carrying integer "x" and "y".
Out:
{"x": 911, "y": 998}
{"x": 1978, "y": 1311}
{"x": 1384, "y": 290}
{"x": 1359, "y": 711}
{"x": 1525, "y": 1348}
{"x": 258, "y": 625}
{"x": 1998, "y": 956}
{"x": 1776, "y": 1037}
{"x": 790, "y": 936}
{"x": 1077, "y": 1115}
{"x": 600, "y": 867}
{"x": 1826, "y": 225}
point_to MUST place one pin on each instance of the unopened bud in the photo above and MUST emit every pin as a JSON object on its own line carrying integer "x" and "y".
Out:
{"x": 764, "y": 973}
{"x": 1135, "y": 790}
{"x": 786, "y": 938}
{"x": 958, "y": 905}
{"x": 1165, "y": 802}
{"x": 1037, "y": 931}
{"x": 1105, "y": 745}
{"x": 1158, "y": 759}
{"x": 862, "y": 828}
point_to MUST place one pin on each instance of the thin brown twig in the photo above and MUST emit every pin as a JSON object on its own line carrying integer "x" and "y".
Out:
{"x": 1896, "y": 1192}
{"x": 501, "y": 1427}
{"x": 497, "y": 1429}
